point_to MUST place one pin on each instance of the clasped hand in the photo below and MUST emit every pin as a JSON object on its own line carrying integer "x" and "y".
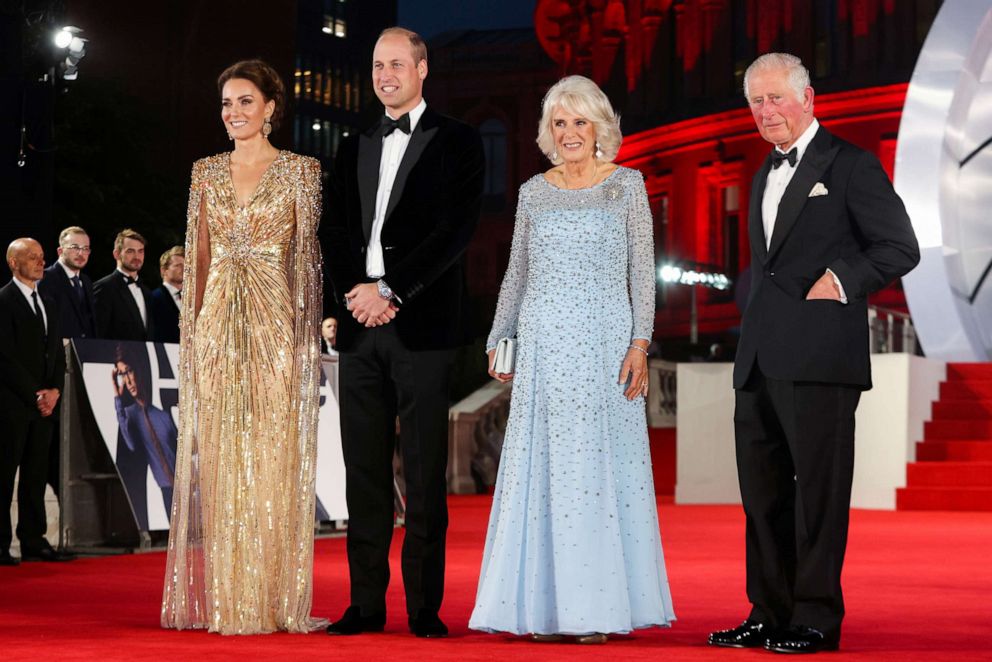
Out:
{"x": 368, "y": 307}
{"x": 47, "y": 399}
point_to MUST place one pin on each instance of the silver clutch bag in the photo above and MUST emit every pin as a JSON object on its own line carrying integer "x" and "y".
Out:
{"x": 505, "y": 357}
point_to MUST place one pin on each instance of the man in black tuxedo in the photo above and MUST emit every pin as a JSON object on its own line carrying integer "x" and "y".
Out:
{"x": 406, "y": 199}
{"x": 167, "y": 297}
{"x": 32, "y": 371}
{"x": 72, "y": 291}
{"x": 826, "y": 230}
{"x": 123, "y": 303}
{"x": 124, "y": 312}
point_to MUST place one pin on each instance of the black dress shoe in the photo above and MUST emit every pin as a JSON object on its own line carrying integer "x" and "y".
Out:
{"x": 7, "y": 559}
{"x": 353, "y": 622}
{"x": 749, "y": 634}
{"x": 802, "y": 639}
{"x": 427, "y": 624}
{"x": 47, "y": 554}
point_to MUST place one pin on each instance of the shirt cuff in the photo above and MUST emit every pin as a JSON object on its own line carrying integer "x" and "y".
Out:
{"x": 843, "y": 295}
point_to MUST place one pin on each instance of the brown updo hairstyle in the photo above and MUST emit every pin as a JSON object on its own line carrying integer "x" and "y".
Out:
{"x": 265, "y": 78}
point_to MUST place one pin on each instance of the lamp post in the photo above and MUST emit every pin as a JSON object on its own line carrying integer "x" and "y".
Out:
{"x": 694, "y": 274}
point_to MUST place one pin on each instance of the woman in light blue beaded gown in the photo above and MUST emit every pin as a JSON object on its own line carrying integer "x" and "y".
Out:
{"x": 573, "y": 546}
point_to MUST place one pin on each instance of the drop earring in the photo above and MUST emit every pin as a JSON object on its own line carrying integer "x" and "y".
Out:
{"x": 229, "y": 136}
{"x": 554, "y": 156}
{"x": 266, "y": 128}
{"x": 599, "y": 151}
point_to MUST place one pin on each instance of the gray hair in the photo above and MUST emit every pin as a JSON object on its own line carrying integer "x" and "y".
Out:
{"x": 798, "y": 74}
{"x": 579, "y": 95}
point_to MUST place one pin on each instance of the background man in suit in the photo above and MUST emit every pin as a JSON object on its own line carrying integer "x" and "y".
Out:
{"x": 32, "y": 370}
{"x": 407, "y": 195}
{"x": 123, "y": 312}
{"x": 123, "y": 304}
{"x": 72, "y": 291}
{"x": 167, "y": 297}
{"x": 826, "y": 230}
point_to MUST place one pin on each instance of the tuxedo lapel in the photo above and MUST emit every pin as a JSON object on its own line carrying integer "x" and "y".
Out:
{"x": 422, "y": 134}
{"x": 27, "y": 312}
{"x": 818, "y": 156}
{"x": 755, "y": 222}
{"x": 131, "y": 304}
{"x": 369, "y": 155}
{"x": 66, "y": 284}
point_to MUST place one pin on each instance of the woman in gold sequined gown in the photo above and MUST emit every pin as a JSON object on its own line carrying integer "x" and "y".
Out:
{"x": 240, "y": 557}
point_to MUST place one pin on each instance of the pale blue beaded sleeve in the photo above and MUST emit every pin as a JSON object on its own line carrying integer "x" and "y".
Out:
{"x": 511, "y": 292}
{"x": 640, "y": 257}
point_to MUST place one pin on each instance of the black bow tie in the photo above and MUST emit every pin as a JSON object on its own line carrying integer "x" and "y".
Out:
{"x": 389, "y": 124}
{"x": 778, "y": 157}
{"x": 129, "y": 281}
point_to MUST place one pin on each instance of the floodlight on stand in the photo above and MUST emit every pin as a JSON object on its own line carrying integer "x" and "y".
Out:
{"x": 315, "y": 126}
{"x": 693, "y": 274}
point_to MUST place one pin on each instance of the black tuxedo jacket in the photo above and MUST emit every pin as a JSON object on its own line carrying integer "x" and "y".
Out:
{"x": 29, "y": 360}
{"x": 430, "y": 217}
{"x": 78, "y": 320}
{"x": 859, "y": 230}
{"x": 165, "y": 312}
{"x": 117, "y": 314}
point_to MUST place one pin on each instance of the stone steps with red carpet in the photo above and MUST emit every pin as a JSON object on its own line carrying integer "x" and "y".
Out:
{"x": 953, "y": 468}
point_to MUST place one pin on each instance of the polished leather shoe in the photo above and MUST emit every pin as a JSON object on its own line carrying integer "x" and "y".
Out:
{"x": 47, "y": 554}
{"x": 802, "y": 639}
{"x": 749, "y": 634}
{"x": 7, "y": 559}
{"x": 427, "y": 624}
{"x": 353, "y": 622}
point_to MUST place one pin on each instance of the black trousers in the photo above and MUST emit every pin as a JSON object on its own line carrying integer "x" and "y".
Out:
{"x": 379, "y": 379}
{"x": 795, "y": 462}
{"x": 24, "y": 444}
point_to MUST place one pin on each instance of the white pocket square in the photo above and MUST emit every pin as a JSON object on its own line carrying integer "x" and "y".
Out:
{"x": 819, "y": 189}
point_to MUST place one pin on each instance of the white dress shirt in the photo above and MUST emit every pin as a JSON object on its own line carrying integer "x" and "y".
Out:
{"x": 175, "y": 293}
{"x": 775, "y": 185}
{"x": 393, "y": 148}
{"x": 69, "y": 271}
{"x": 139, "y": 299}
{"x": 27, "y": 291}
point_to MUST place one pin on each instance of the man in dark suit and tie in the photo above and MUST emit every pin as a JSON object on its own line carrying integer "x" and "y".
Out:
{"x": 32, "y": 371}
{"x": 123, "y": 312}
{"x": 72, "y": 291}
{"x": 167, "y": 297}
{"x": 826, "y": 230}
{"x": 406, "y": 199}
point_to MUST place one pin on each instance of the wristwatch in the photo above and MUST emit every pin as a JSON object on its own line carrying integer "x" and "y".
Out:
{"x": 384, "y": 290}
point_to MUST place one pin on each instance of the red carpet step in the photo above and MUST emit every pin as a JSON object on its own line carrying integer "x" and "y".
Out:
{"x": 953, "y": 468}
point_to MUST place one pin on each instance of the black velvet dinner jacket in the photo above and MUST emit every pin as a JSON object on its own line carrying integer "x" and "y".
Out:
{"x": 430, "y": 217}
{"x": 859, "y": 229}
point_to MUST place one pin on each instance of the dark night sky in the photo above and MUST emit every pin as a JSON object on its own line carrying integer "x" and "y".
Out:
{"x": 431, "y": 17}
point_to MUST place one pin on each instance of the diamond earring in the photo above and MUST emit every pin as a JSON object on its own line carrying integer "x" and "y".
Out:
{"x": 229, "y": 136}
{"x": 554, "y": 156}
{"x": 599, "y": 151}
{"x": 266, "y": 128}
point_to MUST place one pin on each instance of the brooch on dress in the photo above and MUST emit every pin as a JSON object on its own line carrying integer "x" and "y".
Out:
{"x": 612, "y": 192}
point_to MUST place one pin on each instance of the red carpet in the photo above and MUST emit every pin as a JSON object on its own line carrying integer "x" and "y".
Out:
{"x": 917, "y": 588}
{"x": 953, "y": 470}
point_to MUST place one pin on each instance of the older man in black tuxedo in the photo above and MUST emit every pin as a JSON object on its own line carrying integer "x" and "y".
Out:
{"x": 826, "y": 230}
{"x": 407, "y": 195}
{"x": 32, "y": 371}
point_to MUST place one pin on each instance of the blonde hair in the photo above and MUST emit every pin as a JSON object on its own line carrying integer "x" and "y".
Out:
{"x": 418, "y": 47}
{"x": 163, "y": 262}
{"x": 793, "y": 66}
{"x": 581, "y": 96}
{"x": 127, "y": 234}
{"x": 72, "y": 229}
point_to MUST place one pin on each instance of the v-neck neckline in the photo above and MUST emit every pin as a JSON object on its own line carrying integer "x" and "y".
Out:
{"x": 258, "y": 186}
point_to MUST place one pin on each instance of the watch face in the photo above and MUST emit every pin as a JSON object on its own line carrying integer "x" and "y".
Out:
{"x": 943, "y": 170}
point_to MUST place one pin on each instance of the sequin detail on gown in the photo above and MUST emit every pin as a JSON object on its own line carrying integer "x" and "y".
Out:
{"x": 240, "y": 557}
{"x": 573, "y": 545}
